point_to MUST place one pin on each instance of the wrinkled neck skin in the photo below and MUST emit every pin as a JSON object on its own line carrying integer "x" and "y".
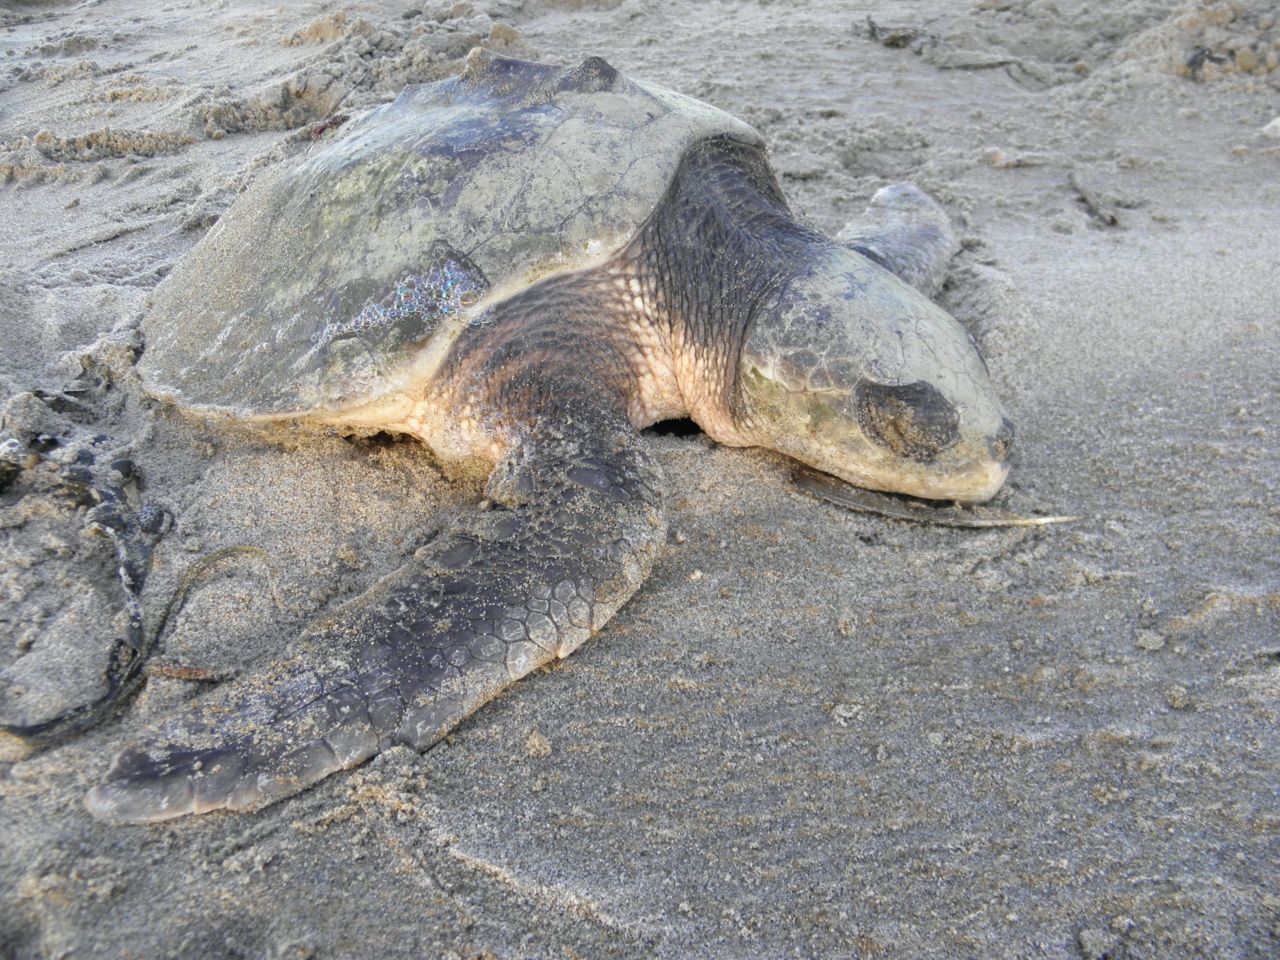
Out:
{"x": 654, "y": 333}
{"x": 714, "y": 256}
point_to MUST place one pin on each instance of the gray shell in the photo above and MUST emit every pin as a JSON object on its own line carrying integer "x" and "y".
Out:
{"x": 341, "y": 278}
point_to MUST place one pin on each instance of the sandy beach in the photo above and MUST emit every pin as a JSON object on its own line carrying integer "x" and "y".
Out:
{"x": 812, "y": 733}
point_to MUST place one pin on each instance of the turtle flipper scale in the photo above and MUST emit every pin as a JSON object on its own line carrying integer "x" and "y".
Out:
{"x": 576, "y": 528}
{"x": 905, "y": 231}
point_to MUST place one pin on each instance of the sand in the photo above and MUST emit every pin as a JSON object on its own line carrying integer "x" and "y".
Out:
{"x": 813, "y": 732}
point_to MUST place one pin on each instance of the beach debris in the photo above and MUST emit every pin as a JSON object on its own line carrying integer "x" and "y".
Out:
{"x": 98, "y": 475}
{"x": 913, "y": 509}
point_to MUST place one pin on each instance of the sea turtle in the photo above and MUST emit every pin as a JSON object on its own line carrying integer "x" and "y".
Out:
{"x": 522, "y": 266}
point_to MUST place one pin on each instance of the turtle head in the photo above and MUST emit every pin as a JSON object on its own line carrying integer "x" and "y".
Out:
{"x": 854, "y": 372}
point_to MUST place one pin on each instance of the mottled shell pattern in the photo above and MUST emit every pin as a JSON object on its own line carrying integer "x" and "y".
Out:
{"x": 340, "y": 278}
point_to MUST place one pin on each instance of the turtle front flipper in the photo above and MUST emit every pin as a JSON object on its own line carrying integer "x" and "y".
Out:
{"x": 905, "y": 231}
{"x": 574, "y": 528}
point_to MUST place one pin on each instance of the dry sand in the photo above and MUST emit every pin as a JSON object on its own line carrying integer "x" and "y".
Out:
{"x": 812, "y": 733}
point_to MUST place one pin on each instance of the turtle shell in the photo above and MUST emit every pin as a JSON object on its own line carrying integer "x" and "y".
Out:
{"x": 338, "y": 280}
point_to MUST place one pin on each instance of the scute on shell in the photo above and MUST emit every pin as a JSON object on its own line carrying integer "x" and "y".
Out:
{"x": 339, "y": 279}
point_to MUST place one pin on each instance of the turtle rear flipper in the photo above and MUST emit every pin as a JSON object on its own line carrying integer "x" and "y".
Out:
{"x": 905, "y": 231}
{"x": 575, "y": 528}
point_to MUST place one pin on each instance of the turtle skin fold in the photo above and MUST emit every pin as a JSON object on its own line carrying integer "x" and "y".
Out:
{"x": 575, "y": 524}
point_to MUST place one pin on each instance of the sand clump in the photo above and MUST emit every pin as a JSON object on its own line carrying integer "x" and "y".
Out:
{"x": 1047, "y": 42}
{"x": 359, "y": 65}
{"x": 356, "y": 66}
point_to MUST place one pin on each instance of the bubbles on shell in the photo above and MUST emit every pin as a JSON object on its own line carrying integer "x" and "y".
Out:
{"x": 439, "y": 293}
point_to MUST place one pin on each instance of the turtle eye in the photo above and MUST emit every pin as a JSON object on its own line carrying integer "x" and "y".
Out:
{"x": 469, "y": 299}
{"x": 911, "y": 420}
